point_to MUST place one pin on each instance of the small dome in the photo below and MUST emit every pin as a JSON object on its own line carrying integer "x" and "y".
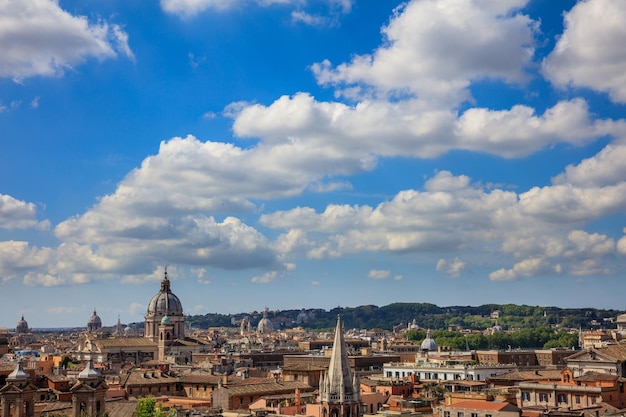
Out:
{"x": 165, "y": 320}
{"x": 621, "y": 318}
{"x": 429, "y": 343}
{"x": 94, "y": 323}
{"x": 22, "y": 326}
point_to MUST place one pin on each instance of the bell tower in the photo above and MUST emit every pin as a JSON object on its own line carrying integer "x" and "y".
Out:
{"x": 18, "y": 395}
{"x": 89, "y": 392}
{"x": 340, "y": 392}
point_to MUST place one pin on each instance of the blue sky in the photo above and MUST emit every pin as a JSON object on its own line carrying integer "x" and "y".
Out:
{"x": 309, "y": 153}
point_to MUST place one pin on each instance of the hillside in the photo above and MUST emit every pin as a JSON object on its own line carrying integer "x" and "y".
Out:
{"x": 426, "y": 316}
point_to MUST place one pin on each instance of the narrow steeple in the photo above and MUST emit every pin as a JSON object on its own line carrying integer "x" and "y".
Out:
{"x": 339, "y": 384}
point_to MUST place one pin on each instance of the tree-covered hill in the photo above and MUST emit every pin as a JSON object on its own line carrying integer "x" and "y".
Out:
{"x": 511, "y": 316}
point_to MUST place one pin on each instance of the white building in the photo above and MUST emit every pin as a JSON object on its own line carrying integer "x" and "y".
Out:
{"x": 428, "y": 371}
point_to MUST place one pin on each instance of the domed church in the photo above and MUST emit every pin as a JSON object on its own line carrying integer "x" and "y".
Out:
{"x": 164, "y": 304}
{"x": 94, "y": 323}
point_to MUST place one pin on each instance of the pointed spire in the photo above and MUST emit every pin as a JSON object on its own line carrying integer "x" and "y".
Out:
{"x": 339, "y": 380}
{"x": 165, "y": 283}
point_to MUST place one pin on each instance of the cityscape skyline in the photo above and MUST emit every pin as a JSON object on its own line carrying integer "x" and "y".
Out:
{"x": 309, "y": 154}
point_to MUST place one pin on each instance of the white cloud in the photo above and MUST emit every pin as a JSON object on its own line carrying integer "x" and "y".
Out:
{"x": 608, "y": 167}
{"x": 17, "y": 258}
{"x": 452, "y": 268}
{"x": 265, "y": 278}
{"x": 41, "y": 39}
{"x": 18, "y": 214}
{"x": 191, "y": 8}
{"x": 590, "y": 53}
{"x": 434, "y": 49}
{"x": 527, "y": 267}
{"x": 538, "y": 230}
{"x": 379, "y": 273}
{"x": 300, "y": 132}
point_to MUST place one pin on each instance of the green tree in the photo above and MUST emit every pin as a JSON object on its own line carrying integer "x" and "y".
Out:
{"x": 148, "y": 407}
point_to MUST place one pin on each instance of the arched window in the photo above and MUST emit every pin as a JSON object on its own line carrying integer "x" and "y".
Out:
{"x": 334, "y": 413}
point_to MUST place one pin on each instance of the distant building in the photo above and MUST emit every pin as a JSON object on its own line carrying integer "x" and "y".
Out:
{"x": 164, "y": 303}
{"x": 265, "y": 326}
{"x": 94, "y": 323}
{"x": 340, "y": 391}
{"x": 22, "y": 326}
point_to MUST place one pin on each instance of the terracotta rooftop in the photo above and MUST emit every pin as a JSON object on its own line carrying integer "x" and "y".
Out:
{"x": 267, "y": 388}
{"x": 125, "y": 342}
{"x": 536, "y": 375}
{"x": 485, "y": 405}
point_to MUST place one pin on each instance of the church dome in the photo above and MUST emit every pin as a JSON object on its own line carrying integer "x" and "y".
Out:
{"x": 165, "y": 320}
{"x": 165, "y": 302}
{"x": 22, "y": 326}
{"x": 94, "y": 323}
{"x": 265, "y": 325}
{"x": 429, "y": 343}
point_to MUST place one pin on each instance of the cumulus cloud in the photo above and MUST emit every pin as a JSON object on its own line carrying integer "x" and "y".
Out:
{"x": 452, "y": 268}
{"x": 18, "y": 214}
{"x": 17, "y": 258}
{"x": 347, "y": 138}
{"x": 538, "y": 230}
{"x": 41, "y": 39}
{"x": 590, "y": 52}
{"x": 434, "y": 49}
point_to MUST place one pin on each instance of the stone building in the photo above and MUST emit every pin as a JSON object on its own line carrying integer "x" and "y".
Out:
{"x": 18, "y": 395}
{"x": 340, "y": 391}
{"x": 94, "y": 323}
{"x": 164, "y": 303}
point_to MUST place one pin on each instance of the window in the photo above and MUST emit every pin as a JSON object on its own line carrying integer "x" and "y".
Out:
{"x": 460, "y": 414}
{"x": 446, "y": 414}
{"x": 543, "y": 397}
{"x": 561, "y": 398}
{"x": 578, "y": 399}
{"x": 474, "y": 414}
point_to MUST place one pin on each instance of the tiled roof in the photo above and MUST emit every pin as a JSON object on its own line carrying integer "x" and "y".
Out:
{"x": 267, "y": 388}
{"x": 123, "y": 342}
{"x": 596, "y": 376}
{"x": 303, "y": 367}
{"x": 146, "y": 378}
{"x": 537, "y": 375}
{"x": 121, "y": 408}
{"x": 484, "y": 405}
{"x": 616, "y": 351}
